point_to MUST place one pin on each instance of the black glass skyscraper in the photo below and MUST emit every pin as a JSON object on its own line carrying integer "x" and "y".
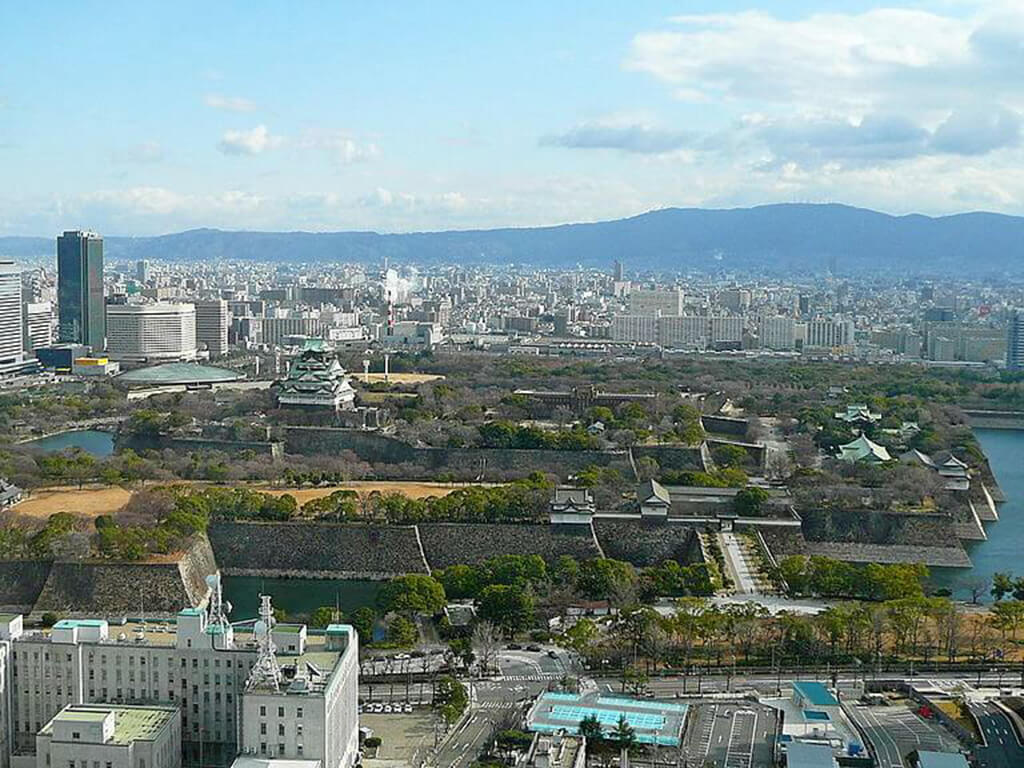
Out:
{"x": 81, "y": 311}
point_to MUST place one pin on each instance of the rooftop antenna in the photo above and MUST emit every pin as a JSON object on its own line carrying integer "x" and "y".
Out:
{"x": 219, "y": 608}
{"x": 265, "y": 672}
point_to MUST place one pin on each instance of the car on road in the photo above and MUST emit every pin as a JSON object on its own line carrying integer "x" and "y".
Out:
{"x": 387, "y": 709}
{"x": 553, "y": 654}
{"x": 534, "y": 648}
{"x": 514, "y": 647}
{"x": 407, "y": 709}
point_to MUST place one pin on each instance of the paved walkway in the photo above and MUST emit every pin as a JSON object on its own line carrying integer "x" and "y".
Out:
{"x": 744, "y": 571}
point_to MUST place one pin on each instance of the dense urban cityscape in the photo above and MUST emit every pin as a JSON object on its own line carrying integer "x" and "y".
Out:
{"x": 520, "y": 385}
{"x": 470, "y": 515}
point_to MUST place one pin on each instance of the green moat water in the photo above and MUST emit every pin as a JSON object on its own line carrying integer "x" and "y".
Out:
{"x": 1004, "y": 548}
{"x": 298, "y": 597}
{"x": 93, "y": 441}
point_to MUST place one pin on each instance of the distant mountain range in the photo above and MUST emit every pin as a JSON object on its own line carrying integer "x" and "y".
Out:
{"x": 771, "y": 238}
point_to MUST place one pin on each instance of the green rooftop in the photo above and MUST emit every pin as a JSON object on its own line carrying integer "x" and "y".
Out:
{"x": 178, "y": 373}
{"x": 130, "y": 723}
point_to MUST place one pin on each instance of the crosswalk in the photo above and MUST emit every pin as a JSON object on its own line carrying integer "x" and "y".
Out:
{"x": 529, "y": 678}
{"x": 496, "y": 705}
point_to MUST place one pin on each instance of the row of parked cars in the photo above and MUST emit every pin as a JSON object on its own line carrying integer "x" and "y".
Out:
{"x": 379, "y": 708}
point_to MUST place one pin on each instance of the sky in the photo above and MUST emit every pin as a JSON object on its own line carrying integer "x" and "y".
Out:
{"x": 139, "y": 118}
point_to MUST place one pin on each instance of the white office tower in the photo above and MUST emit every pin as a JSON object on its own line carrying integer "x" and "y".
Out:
{"x": 159, "y": 332}
{"x": 202, "y": 669}
{"x": 38, "y": 325}
{"x": 212, "y": 321}
{"x": 778, "y": 332}
{"x": 650, "y": 302}
{"x": 1015, "y": 341}
{"x": 142, "y": 273}
{"x": 12, "y": 345}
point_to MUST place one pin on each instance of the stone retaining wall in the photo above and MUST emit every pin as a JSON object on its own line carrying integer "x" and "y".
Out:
{"x": 448, "y": 544}
{"x": 317, "y": 550}
{"x": 21, "y": 581}
{"x": 102, "y": 588}
{"x": 646, "y": 543}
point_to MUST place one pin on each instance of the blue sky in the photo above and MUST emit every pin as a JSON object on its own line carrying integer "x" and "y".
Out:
{"x": 145, "y": 117}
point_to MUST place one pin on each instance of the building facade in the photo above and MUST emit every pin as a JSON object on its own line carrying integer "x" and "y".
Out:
{"x": 1015, "y": 341}
{"x": 212, "y": 321}
{"x": 229, "y": 708}
{"x": 151, "y": 332}
{"x": 80, "y": 304}
{"x": 38, "y": 325}
{"x": 651, "y": 302}
{"x": 12, "y": 341}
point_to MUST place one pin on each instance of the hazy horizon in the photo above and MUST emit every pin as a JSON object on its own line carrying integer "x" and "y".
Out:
{"x": 411, "y": 118}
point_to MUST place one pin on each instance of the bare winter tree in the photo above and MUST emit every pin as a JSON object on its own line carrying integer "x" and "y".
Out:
{"x": 486, "y": 641}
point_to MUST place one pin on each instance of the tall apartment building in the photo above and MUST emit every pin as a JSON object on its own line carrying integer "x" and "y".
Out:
{"x": 12, "y": 346}
{"x": 776, "y": 332}
{"x": 37, "y": 325}
{"x": 641, "y": 328}
{"x": 212, "y": 321}
{"x": 688, "y": 331}
{"x": 829, "y": 332}
{"x": 651, "y": 302}
{"x": 1015, "y": 341}
{"x": 273, "y": 693}
{"x": 151, "y": 332}
{"x": 142, "y": 271}
{"x": 80, "y": 305}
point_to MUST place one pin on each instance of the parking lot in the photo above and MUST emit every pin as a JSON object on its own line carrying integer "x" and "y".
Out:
{"x": 730, "y": 735}
{"x": 405, "y": 738}
{"x": 897, "y": 729}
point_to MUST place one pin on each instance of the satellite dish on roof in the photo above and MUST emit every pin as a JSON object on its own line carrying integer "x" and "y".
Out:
{"x": 259, "y": 629}
{"x": 211, "y": 580}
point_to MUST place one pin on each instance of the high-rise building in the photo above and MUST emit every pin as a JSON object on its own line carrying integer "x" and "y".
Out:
{"x": 151, "y": 332}
{"x": 81, "y": 312}
{"x": 776, "y": 332}
{"x": 212, "y": 321}
{"x": 617, "y": 271}
{"x": 38, "y": 325}
{"x": 650, "y": 302}
{"x": 142, "y": 271}
{"x": 1015, "y": 341}
{"x": 12, "y": 347}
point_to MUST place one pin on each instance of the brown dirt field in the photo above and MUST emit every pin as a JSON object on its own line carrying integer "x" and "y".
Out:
{"x": 88, "y": 502}
{"x": 364, "y": 487}
{"x": 398, "y": 378}
{"x": 93, "y": 501}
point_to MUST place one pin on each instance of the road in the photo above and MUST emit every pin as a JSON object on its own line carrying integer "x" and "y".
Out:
{"x": 501, "y": 702}
{"x": 1001, "y": 750}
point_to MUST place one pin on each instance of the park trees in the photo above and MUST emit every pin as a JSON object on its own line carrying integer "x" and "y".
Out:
{"x": 411, "y": 594}
{"x": 508, "y": 607}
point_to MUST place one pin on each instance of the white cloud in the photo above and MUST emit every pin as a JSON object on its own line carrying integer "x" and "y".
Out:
{"x": 341, "y": 147}
{"x": 251, "y": 142}
{"x": 228, "y": 103}
{"x": 635, "y": 137}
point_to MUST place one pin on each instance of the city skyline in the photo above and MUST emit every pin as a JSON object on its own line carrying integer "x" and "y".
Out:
{"x": 548, "y": 115}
